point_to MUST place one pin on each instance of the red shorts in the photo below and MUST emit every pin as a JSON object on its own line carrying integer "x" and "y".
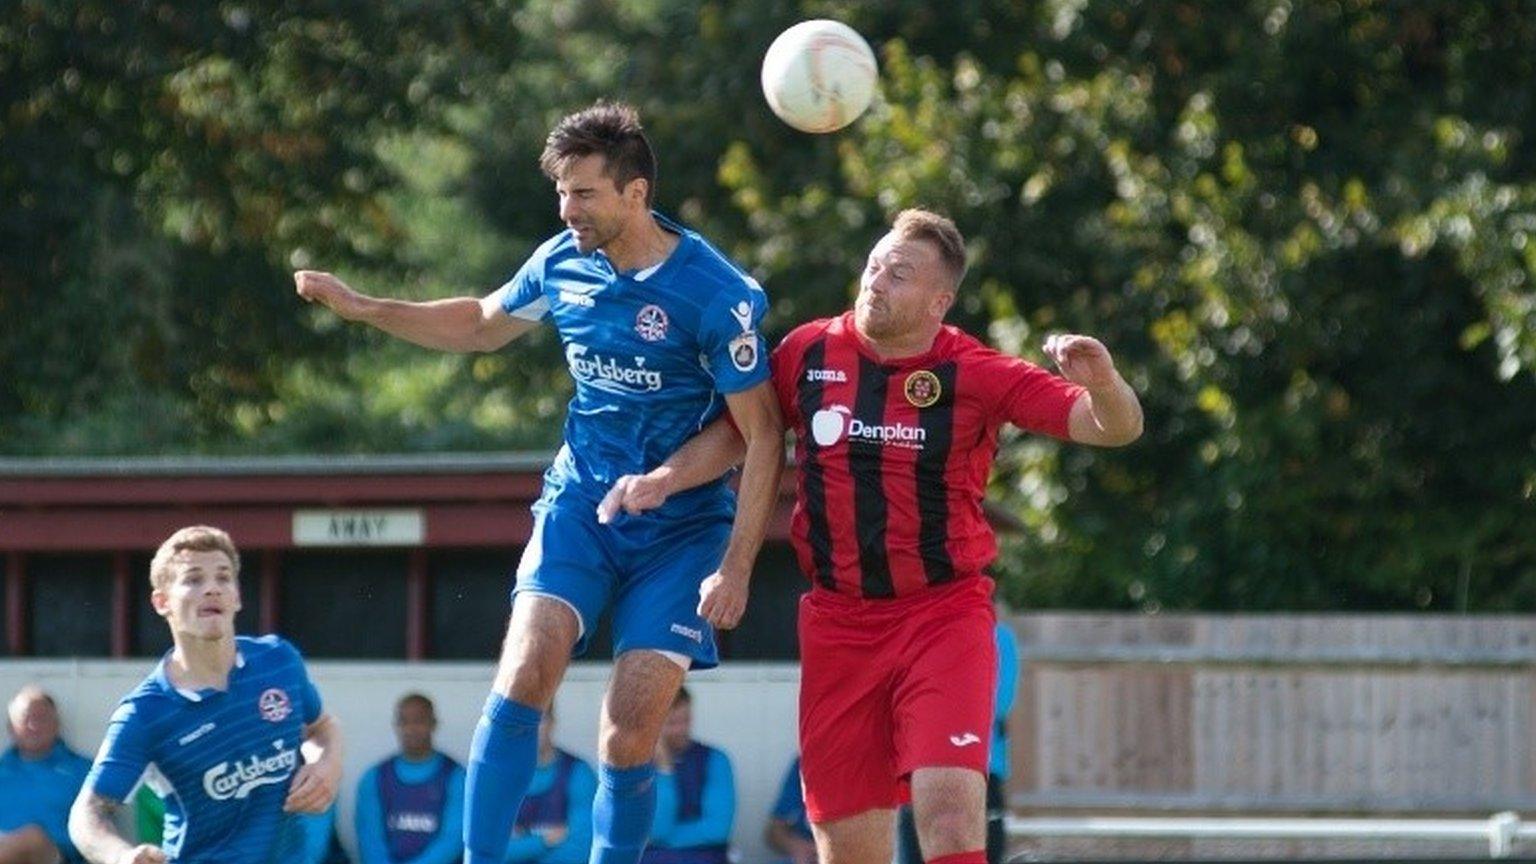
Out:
{"x": 889, "y": 686}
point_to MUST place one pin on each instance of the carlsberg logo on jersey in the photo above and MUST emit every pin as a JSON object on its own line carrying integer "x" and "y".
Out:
{"x": 608, "y": 373}
{"x": 236, "y": 780}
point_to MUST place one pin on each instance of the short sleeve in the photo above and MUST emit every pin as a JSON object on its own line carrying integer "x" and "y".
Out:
{"x": 124, "y": 754}
{"x": 786, "y": 367}
{"x": 1026, "y": 395}
{"x": 731, "y": 339}
{"x": 522, "y": 296}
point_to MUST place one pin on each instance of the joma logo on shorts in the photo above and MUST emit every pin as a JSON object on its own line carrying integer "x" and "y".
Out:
{"x": 690, "y": 632}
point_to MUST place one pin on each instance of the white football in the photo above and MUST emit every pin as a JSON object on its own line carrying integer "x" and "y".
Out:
{"x": 819, "y": 76}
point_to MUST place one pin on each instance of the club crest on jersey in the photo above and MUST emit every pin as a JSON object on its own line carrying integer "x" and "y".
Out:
{"x": 742, "y": 312}
{"x": 274, "y": 705}
{"x": 651, "y": 323}
{"x": 922, "y": 388}
{"x": 744, "y": 351}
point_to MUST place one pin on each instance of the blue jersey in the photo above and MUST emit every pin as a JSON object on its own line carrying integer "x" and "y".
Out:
{"x": 652, "y": 353}
{"x": 224, "y": 759}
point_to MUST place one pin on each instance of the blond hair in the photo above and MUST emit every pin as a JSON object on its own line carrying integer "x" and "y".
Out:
{"x": 195, "y": 538}
{"x": 918, "y": 224}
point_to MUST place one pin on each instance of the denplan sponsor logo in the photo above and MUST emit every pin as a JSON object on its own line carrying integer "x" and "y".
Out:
{"x": 236, "y": 780}
{"x": 610, "y": 373}
{"x": 835, "y": 422}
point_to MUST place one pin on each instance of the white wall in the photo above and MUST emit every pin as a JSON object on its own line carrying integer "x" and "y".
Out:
{"x": 747, "y": 710}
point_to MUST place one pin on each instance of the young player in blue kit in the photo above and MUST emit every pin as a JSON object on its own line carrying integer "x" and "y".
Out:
{"x": 660, "y": 333}
{"x": 231, "y": 723}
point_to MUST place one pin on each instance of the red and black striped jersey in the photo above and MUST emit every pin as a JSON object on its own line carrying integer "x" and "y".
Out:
{"x": 894, "y": 456}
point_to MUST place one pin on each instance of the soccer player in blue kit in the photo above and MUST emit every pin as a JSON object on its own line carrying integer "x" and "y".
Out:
{"x": 660, "y": 332}
{"x": 231, "y": 723}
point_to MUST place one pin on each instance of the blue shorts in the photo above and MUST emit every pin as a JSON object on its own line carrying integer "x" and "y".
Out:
{"x": 650, "y": 568}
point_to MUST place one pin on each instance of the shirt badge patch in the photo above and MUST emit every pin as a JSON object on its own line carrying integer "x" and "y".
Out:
{"x": 922, "y": 388}
{"x": 743, "y": 315}
{"x": 744, "y": 351}
{"x": 274, "y": 705}
{"x": 651, "y": 323}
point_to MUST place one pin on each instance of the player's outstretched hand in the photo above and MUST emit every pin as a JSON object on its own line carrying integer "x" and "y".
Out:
{"x": 328, "y": 291}
{"x": 145, "y": 854}
{"x": 1082, "y": 360}
{"x": 723, "y": 600}
{"x": 634, "y": 494}
{"x": 314, "y": 787}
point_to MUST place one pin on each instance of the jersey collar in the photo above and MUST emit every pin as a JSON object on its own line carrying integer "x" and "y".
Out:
{"x": 164, "y": 680}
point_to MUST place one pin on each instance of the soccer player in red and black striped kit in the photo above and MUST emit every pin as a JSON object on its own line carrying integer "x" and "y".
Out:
{"x": 896, "y": 419}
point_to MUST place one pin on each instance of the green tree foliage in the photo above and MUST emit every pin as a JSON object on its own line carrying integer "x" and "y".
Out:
{"x": 1303, "y": 227}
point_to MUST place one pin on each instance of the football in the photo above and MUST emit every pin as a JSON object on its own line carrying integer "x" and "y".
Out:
{"x": 819, "y": 76}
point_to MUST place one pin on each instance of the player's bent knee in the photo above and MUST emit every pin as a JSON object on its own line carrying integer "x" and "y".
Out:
{"x": 950, "y": 831}
{"x": 949, "y": 807}
{"x": 865, "y": 838}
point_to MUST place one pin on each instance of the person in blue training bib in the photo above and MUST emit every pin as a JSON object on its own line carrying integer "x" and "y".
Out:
{"x": 660, "y": 333}
{"x": 554, "y": 825}
{"x": 39, "y": 777}
{"x": 410, "y": 806}
{"x": 231, "y": 724}
{"x": 696, "y": 795}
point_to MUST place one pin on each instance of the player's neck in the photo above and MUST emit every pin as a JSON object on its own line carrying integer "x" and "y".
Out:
{"x": 196, "y": 664}
{"x": 646, "y": 244}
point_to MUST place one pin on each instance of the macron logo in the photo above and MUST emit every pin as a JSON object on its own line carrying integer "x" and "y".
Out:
{"x": 691, "y": 633}
{"x": 964, "y": 740}
{"x": 195, "y": 734}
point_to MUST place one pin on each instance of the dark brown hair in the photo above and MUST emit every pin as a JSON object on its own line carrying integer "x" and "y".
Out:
{"x": 608, "y": 129}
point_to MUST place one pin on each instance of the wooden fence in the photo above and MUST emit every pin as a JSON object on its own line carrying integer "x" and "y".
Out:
{"x": 1292, "y": 715}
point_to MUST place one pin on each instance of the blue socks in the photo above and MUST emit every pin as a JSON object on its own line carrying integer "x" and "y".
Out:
{"x": 622, "y": 813}
{"x": 502, "y": 758}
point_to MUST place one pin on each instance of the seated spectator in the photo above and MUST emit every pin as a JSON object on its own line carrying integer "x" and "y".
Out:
{"x": 554, "y": 825}
{"x": 789, "y": 832}
{"x": 695, "y": 795}
{"x": 39, "y": 779}
{"x": 410, "y": 807}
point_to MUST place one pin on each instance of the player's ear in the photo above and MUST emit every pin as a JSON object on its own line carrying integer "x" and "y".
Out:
{"x": 159, "y": 602}
{"x": 942, "y": 302}
{"x": 636, "y": 190}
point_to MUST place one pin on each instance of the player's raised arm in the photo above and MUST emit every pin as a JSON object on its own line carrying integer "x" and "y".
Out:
{"x": 93, "y": 830}
{"x": 316, "y": 784}
{"x": 460, "y": 324}
{"x": 1108, "y": 414}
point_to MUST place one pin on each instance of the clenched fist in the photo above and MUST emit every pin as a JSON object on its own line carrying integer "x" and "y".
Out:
{"x": 332, "y": 293}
